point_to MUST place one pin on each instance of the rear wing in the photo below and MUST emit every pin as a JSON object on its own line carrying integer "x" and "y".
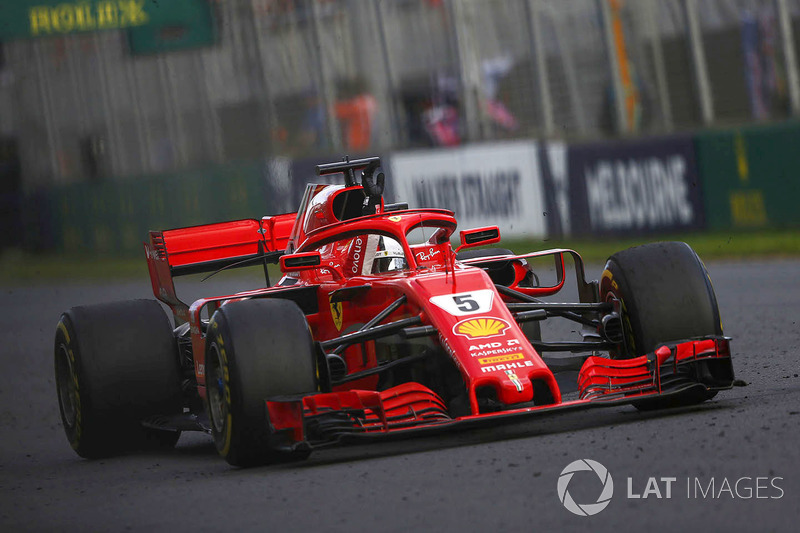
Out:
{"x": 212, "y": 247}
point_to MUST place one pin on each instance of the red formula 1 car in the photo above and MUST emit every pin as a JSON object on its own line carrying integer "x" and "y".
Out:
{"x": 376, "y": 328}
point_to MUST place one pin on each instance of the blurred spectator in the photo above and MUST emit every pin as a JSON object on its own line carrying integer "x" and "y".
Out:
{"x": 313, "y": 126}
{"x": 299, "y": 127}
{"x": 766, "y": 85}
{"x": 494, "y": 71}
{"x": 441, "y": 118}
{"x": 441, "y": 123}
{"x": 355, "y": 111}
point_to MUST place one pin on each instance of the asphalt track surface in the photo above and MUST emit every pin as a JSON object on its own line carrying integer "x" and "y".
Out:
{"x": 490, "y": 479}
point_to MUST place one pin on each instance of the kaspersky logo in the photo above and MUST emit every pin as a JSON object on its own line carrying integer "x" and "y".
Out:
{"x": 585, "y": 509}
{"x": 478, "y": 328}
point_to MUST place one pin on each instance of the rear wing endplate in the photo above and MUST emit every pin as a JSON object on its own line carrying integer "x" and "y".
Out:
{"x": 212, "y": 247}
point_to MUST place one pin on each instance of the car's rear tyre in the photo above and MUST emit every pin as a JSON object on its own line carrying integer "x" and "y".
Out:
{"x": 665, "y": 295}
{"x": 501, "y": 272}
{"x": 482, "y": 252}
{"x": 115, "y": 365}
{"x": 256, "y": 349}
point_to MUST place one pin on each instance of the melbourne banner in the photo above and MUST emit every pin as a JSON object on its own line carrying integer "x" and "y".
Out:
{"x": 623, "y": 187}
{"x": 488, "y": 184}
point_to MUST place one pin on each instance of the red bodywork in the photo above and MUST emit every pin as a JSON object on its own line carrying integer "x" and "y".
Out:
{"x": 467, "y": 318}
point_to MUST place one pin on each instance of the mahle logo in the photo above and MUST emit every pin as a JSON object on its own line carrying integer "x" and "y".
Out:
{"x": 585, "y": 509}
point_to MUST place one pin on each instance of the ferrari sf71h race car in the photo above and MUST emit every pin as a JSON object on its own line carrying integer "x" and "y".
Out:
{"x": 377, "y": 328}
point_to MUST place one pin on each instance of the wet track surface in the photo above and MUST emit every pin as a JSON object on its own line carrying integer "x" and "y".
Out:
{"x": 500, "y": 479}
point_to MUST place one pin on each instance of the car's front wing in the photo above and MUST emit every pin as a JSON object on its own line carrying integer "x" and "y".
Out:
{"x": 671, "y": 371}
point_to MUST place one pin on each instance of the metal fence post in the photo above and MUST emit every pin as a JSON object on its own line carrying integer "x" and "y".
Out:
{"x": 658, "y": 61}
{"x": 75, "y": 82}
{"x": 542, "y": 77}
{"x": 175, "y": 125}
{"x": 571, "y": 75}
{"x": 143, "y": 131}
{"x": 45, "y": 94}
{"x": 210, "y": 116}
{"x": 263, "y": 89}
{"x": 116, "y": 148}
{"x": 699, "y": 62}
{"x": 386, "y": 59}
{"x": 113, "y": 148}
{"x": 787, "y": 41}
{"x": 613, "y": 61}
{"x": 326, "y": 85}
{"x": 462, "y": 17}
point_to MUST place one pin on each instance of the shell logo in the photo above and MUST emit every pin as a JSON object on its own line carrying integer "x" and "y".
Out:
{"x": 476, "y": 328}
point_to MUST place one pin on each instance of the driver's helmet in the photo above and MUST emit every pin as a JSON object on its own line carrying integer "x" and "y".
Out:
{"x": 389, "y": 257}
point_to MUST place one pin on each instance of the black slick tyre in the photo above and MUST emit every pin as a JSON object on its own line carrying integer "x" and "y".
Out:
{"x": 666, "y": 295}
{"x": 256, "y": 349}
{"x": 483, "y": 252}
{"x": 116, "y": 364}
{"x": 501, "y": 272}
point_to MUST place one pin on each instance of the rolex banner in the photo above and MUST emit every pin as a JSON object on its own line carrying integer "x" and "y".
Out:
{"x": 20, "y": 19}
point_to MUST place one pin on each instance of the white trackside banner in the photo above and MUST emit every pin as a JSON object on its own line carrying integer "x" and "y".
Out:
{"x": 485, "y": 184}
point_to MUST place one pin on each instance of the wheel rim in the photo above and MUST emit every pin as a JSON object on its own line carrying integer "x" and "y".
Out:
{"x": 216, "y": 390}
{"x": 65, "y": 383}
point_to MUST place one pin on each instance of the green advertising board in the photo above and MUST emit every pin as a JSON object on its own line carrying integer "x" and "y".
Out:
{"x": 751, "y": 176}
{"x": 153, "y": 25}
{"x": 190, "y": 26}
{"x": 115, "y": 216}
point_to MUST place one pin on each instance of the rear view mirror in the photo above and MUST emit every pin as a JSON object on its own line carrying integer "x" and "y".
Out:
{"x": 479, "y": 237}
{"x": 301, "y": 261}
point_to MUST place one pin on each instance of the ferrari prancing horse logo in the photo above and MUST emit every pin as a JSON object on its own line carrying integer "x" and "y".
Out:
{"x": 336, "y": 313}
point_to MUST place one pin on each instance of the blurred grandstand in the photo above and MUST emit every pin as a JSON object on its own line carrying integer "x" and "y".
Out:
{"x": 173, "y": 86}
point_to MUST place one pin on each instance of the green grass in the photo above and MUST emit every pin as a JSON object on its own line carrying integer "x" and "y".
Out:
{"x": 16, "y": 267}
{"x": 25, "y": 267}
{"x": 709, "y": 245}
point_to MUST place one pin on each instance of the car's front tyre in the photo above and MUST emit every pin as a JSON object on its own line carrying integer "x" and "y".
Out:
{"x": 255, "y": 349}
{"x": 666, "y": 295}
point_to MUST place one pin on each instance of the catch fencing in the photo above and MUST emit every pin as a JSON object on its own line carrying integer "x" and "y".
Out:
{"x": 247, "y": 79}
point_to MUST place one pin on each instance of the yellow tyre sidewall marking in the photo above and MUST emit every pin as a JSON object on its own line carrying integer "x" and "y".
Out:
{"x": 74, "y": 442}
{"x": 607, "y": 274}
{"x": 626, "y": 319}
{"x": 226, "y": 376}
